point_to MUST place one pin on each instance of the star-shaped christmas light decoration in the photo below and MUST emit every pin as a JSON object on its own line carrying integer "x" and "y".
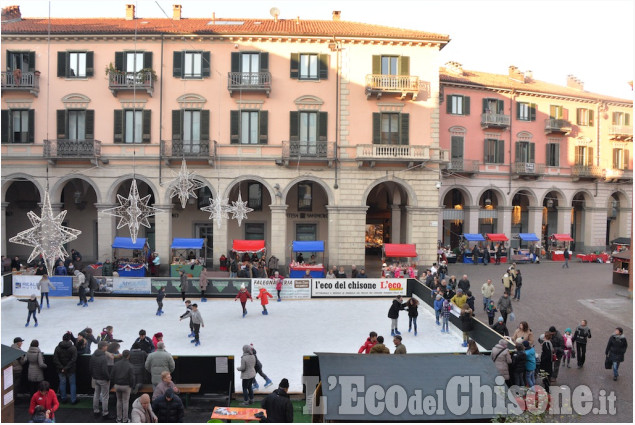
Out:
{"x": 133, "y": 211}
{"x": 239, "y": 209}
{"x": 47, "y": 236}
{"x": 184, "y": 185}
{"x": 218, "y": 210}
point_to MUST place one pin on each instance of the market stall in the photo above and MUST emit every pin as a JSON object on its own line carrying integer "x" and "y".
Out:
{"x": 620, "y": 244}
{"x": 134, "y": 265}
{"x": 298, "y": 270}
{"x": 467, "y": 254}
{"x": 240, "y": 246}
{"x": 621, "y": 267}
{"x": 523, "y": 255}
{"x": 181, "y": 247}
{"x": 561, "y": 241}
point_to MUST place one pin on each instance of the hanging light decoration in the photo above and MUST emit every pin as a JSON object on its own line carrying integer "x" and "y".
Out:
{"x": 133, "y": 211}
{"x": 184, "y": 185}
{"x": 47, "y": 236}
{"x": 239, "y": 209}
{"x": 219, "y": 210}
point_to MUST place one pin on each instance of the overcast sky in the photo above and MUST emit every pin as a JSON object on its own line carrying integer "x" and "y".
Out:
{"x": 592, "y": 40}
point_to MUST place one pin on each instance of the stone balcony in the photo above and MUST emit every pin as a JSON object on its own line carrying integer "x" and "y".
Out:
{"x": 586, "y": 172}
{"x": 557, "y": 126}
{"x": 22, "y": 81}
{"x": 301, "y": 151}
{"x": 176, "y": 150}
{"x": 373, "y": 154}
{"x": 489, "y": 120}
{"x": 378, "y": 84}
{"x": 527, "y": 170}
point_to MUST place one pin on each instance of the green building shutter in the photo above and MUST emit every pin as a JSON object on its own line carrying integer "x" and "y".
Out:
{"x": 205, "y": 118}
{"x": 61, "y": 64}
{"x": 294, "y": 71}
{"x": 294, "y": 126}
{"x": 61, "y": 124}
{"x": 263, "y": 127}
{"x": 323, "y": 66}
{"x": 404, "y": 129}
{"x": 177, "y": 117}
{"x": 90, "y": 64}
{"x": 177, "y": 64}
{"x": 146, "y": 128}
{"x": 234, "y": 126}
{"x": 376, "y": 128}
{"x": 118, "y": 126}
{"x": 206, "y": 64}
{"x": 90, "y": 124}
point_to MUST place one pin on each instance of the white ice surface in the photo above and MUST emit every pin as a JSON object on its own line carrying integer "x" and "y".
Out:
{"x": 292, "y": 329}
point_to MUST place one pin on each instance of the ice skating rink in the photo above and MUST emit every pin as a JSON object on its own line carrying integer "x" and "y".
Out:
{"x": 293, "y": 328}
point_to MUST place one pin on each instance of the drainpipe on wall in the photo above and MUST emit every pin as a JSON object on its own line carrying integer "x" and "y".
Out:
{"x": 511, "y": 137}
{"x": 161, "y": 114}
{"x": 600, "y": 107}
{"x": 337, "y": 109}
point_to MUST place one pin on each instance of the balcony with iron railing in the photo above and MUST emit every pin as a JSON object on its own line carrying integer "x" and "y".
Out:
{"x": 490, "y": 120}
{"x": 378, "y": 84}
{"x": 302, "y": 151}
{"x": 142, "y": 80}
{"x": 249, "y": 81}
{"x": 618, "y": 175}
{"x": 528, "y": 169}
{"x": 72, "y": 150}
{"x": 579, "y": 172}
{"x": 18, "y": 80}
{"x": 621, "y": 132}
{"x": 175, "y": 150}
{"x": 462, "y": 166}
{"x": 557, "y": 126}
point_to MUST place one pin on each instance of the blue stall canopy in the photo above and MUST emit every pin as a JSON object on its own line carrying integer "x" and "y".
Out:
{"x": 473, "y": 237}
{"x": 308, "y": 246}
{"x": 528, "y": 237}
{"x": 187, "y": 243}
{"x": 126, "y": 243}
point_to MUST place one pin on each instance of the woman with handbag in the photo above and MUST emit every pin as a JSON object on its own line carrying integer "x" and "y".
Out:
{"x": 547, "y": 357}
{"x": 615, "y": 350}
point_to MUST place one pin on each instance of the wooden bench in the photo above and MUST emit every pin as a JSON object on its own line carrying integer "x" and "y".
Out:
{"x": 186, "y": 389}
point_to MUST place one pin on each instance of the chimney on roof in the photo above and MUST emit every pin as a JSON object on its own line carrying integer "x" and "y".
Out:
{"x": 337, "y": 15}
{"x": 529, "y": 76}
{"x": 516, "y": 74}
{"x": 454, "y": 68}
{"x": 574, "y": 83}
{"x": 297, "y": 20}
{"x": 176, "y": 12}
{"x": 11, "y": 14}
{"x": 130, "y": 12}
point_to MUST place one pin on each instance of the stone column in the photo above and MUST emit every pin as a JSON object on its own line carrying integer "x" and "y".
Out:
{"x": 3, "y": 218}
{"x": 470, "y": 218}
{"x": 535, "y": 220}
{"x": 163, "y": 237}
{"x": 333, "y": 243}
{"x": 105, "y": 232}
{"x": 423, "y": 223}
{"x": 594, "y": 229}
{"x": 564, "y": 220}
{"x": 505, "y": 220}
{"x": 347, "y": 233}
{"x": 395, "y": 224}
{"x": 219, "y": 237}
{"x": 624, "y": 216}
{"x": 279, "y": 233}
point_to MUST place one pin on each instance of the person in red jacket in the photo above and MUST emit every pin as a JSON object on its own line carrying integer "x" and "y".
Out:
{"x": 264, "y": 296}
{"x": 46, "y": 398}
{"x": 243, "y": 294}
{"x": 370, "y": 342}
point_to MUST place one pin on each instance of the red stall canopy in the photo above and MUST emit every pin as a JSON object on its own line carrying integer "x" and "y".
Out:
{"x": 248, "y": 246}
{"x": 400, "y": 250}
{"x": 562, "y": 237}
{"x": 496, "y": 237}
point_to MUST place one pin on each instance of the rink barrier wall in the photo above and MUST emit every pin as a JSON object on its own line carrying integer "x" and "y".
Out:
{"x": 485, "y": 336}
{"x": 7, "y": 284}
{"x": 214, "y": 373}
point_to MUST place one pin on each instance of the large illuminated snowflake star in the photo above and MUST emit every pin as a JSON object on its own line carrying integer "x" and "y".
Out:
{"x": 47, "y": 236}
{"x": 133, "y": 211}
{"x": 239, "y": 209}
{"x": 184, "y": 185}
{"x": 218, "y": 210}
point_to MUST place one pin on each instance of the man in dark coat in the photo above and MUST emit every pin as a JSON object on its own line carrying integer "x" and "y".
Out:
{"x": 558, "y": 348}
{"x": 124, "y": 380}
{"x": 615, "y": 350}
{"x": 580, "y": 338}
{"x": 168, "y": 407}
{"x": 65, "y": 359}
{"x": 98, "y": 367}
{"x": 464, "y": 284}
{"x": 393, "y": 314}
{"x": 145, "y": 343}
{"x": 278, "y": 405}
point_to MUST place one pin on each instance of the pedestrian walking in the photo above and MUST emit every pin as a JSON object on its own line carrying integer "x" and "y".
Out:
{"x": 43, "y": 285}
{"x": 184, "y": 283}
{"x": 507, "y": 282}
{"x": 35, "y": 373}
{"x": 615, "y": 350}
{"x": 500, "y": 327}
{"x": 123, "y": 378}
{"x": 518, "y": 280}
{"x": 491, "y": 312}
{"x": 160, "y": 296}
{"x": 100, "y": 373}
{"x": 188, "y": 308}
{"x": 264, "y": 296}
{"x": 81, "y": 288}
{"x": 567, "y": 255}
{"x": 278, "y": 404}
{"x": 32, "y": 306}
{"x": 197, "y": 322}
{"x": 65, "y": 360}
{"x": 581, "y": 337}
{"x": 259, "y": 371}
{"x": 464, "y": 284}
{"x": 486, "y": 256}
{"x": 487, "y": 290}
{"x": 393, "y": 315}
{"x": 243, "y": 295}
{"x": 568, "y": 347}
{"x": 202, "y": 283}
{"x": 368, "y": 344}
{"x": 502, "y": 359}
{"x": 247, "y": 371}
{"x": 505, "y": 306}
{"x": 558, "y": 346}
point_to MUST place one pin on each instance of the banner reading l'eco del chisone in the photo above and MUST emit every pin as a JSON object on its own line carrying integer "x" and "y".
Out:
{"x": 384, "y": 287}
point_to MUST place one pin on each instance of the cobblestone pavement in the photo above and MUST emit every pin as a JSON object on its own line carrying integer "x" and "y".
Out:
{"x": 560, "y": 297}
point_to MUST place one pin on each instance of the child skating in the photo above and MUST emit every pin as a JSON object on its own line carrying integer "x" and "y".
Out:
{"x": 279, "y": 280}
{"x": 32, "y": 306}
{"x": 264, "y": 296}
{"x": 447, "y": 308}
{"x": 81, "y": 289}
{"x": 43, "y": 285}
{"x": 188, "y": 306}
{"x": 259, "y": 371}
{"x": 438, "y": 308}
{"x": 160, "y": 296}
{"x": 197, "y": 321}
{"x": 243, "y": 294}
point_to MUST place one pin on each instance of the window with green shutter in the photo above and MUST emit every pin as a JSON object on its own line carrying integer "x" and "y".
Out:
{"x": 249, "y": 127}
{"x": 75, "y": 64}
{"x": 526, "y": 111}
{"x": 391, "y": 128}
{"x": 18, "y": 125}
{"x": 553, "y": 155}
{"x": 191, "y": 64}
{"x": 584, "y": 117}
{"x": 525, "y": 152}
{"x": 494, "y": 151}
{"x": 457, "y": 104}
{"x": 309, "y": 66}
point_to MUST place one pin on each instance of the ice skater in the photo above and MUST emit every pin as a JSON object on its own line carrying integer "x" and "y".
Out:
{"x": 32, "y": 306}
{"x": 184, "y": 283}
{"x": 81, "y": 289}
{"x": 264, "y": 296}
{"x": 393, "y": 315}
{"x": 188, "y": 306}
{"x": 202, "y": 281}
{"x": 196, "y": 320}
{"x": 43, "y": 286}
{"x": 243, "y": 294}
{"x": 259, "y": 371}
{"x": 447, "y": 309}
{"x": 412, "y": 305}
{"x": 279, "y": 280}
{"x": 160, "y": 296}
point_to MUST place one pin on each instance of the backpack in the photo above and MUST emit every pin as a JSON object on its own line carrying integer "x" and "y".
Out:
{"x": 234, "y": 267}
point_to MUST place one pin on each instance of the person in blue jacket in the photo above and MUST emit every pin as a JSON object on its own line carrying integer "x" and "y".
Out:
{"x": 530, "y": 364}
{"x": 438, "y": 308}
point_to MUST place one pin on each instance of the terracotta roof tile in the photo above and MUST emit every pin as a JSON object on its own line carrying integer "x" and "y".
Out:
{"x": 505, "y": 82}
{"x": 238, "y": 26}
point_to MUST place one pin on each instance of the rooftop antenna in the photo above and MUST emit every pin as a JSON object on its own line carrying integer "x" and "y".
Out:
{"x": 275, "y": 12}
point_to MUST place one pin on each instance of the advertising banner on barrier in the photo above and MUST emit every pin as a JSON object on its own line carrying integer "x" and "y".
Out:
{"x": 220, "y": 288}
{"x": 25, "y": 285}
{"x": 384, "y": 287}
{"x": 131, "y": 285}
{"x": 292, "y": 289}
